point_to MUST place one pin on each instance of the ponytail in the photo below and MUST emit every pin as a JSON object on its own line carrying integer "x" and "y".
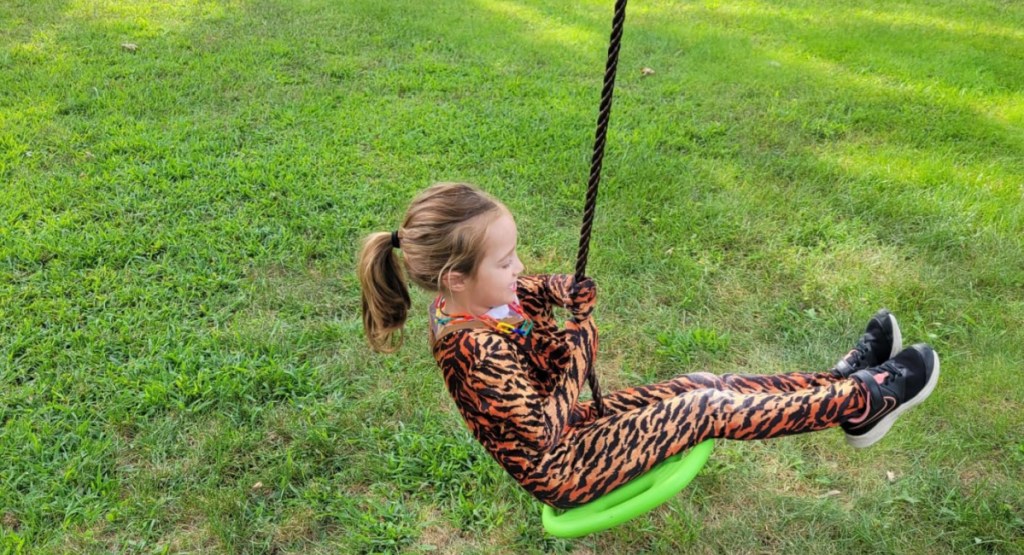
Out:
{"x": 385, "y": 294}
{"x": 443, "y": 230}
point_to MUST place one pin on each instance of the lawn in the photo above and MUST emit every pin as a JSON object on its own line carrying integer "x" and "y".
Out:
{"x": 185, "y": 184}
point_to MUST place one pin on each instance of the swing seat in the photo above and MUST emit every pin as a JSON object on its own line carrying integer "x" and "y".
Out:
{"x": 631, "y": 499}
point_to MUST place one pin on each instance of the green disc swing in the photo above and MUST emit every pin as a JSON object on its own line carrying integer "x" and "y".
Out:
{"x": 671, "y": 475}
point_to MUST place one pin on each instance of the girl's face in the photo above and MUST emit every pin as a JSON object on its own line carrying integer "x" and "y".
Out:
{"x": 494, "y": 282}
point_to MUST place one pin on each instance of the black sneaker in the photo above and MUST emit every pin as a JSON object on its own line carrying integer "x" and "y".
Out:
{"x": 880, "y": 342}
{"x": 893, "y": 387}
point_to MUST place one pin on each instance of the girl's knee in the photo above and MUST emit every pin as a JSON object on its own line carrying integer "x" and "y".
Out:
{"x": 706, "y": 379}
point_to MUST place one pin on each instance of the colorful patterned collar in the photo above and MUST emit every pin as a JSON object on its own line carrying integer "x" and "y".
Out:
{"x": 516, "y": 323}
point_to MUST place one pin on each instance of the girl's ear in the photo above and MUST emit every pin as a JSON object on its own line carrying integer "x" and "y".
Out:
{"x": 454, "y": 281}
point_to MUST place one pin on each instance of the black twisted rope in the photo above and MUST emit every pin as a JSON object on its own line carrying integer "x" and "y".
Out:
{"x": 604, "y": 114}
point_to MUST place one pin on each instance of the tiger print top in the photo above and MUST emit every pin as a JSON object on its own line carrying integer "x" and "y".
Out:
{"x": 517, "y": 393}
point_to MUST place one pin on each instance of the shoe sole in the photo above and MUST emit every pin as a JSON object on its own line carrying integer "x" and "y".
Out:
{"x": 883, "y": 425}
{"x": 897, "y": 337}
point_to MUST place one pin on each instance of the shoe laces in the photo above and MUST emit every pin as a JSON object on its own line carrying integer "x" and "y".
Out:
{"x": 856, "y": 356}
{"x": 891, "y": 371}
{"x": 863, "y": 347}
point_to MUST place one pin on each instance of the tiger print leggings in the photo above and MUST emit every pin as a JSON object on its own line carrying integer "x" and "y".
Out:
{"x": 645, "y": 425}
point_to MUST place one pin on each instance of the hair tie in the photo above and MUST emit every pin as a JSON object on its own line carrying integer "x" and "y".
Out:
{"x": 394, "y": 240}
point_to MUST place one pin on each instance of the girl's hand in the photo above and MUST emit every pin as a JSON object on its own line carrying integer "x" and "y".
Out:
{"x": 582, "y": 299}
{"x": 579, "y": 299}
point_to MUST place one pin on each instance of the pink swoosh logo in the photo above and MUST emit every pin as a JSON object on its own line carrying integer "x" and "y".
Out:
{"x": 890, "y": 403}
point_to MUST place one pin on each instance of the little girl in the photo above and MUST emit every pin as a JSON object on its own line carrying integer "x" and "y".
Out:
{"x": 515, "y": 376}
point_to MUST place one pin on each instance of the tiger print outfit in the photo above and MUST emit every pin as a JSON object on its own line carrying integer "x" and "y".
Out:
{"x": 519, "y": 396}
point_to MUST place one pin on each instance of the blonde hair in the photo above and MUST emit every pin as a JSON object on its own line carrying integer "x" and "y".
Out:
{"x": 443, "y": 231}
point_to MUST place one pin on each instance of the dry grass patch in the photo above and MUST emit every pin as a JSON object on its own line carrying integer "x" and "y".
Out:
{"x": 440, "y": 537}
{"x": 192, "y": 536}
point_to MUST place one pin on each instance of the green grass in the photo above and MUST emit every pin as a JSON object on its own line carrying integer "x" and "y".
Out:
{"x": 182, "y": 367}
